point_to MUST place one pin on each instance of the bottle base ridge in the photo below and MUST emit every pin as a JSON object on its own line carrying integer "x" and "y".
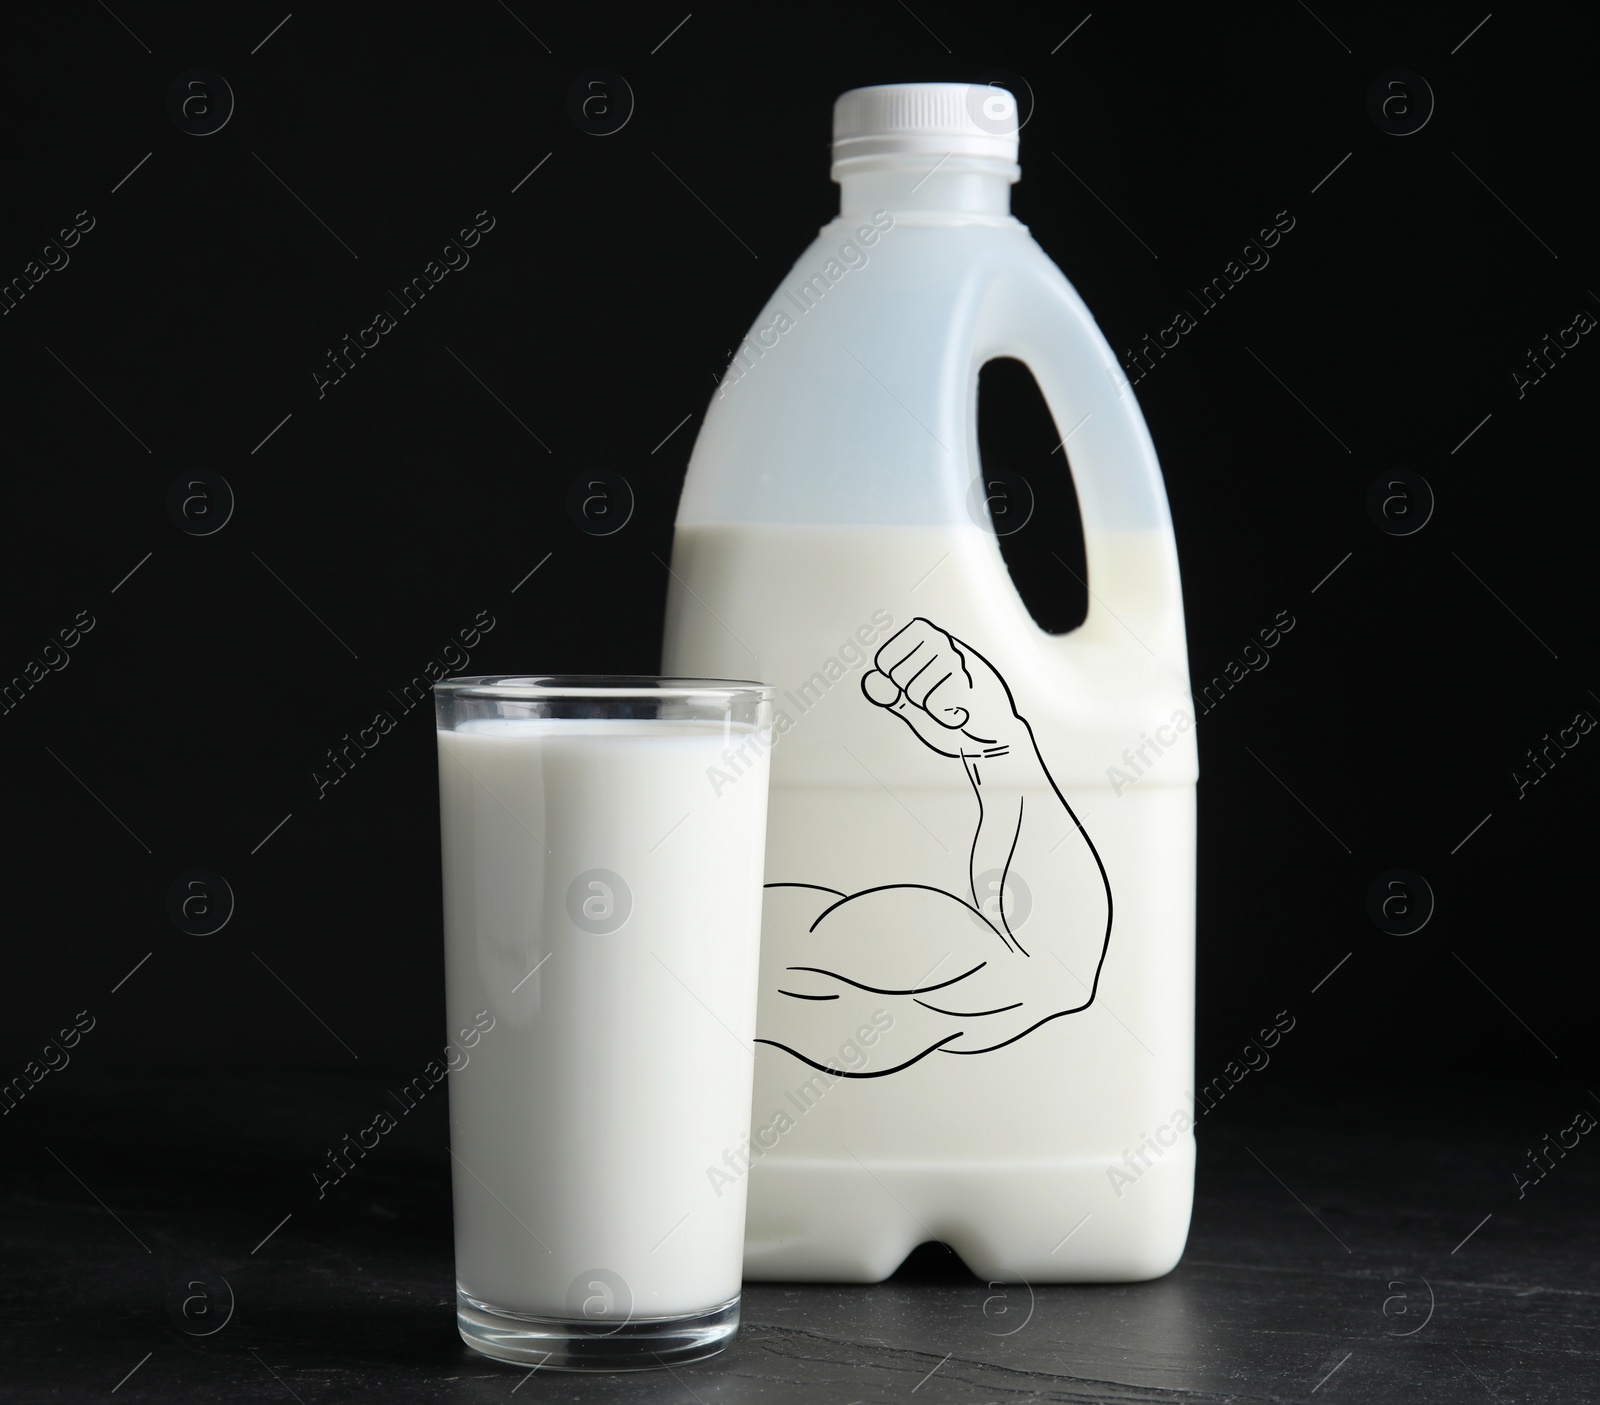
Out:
{"x": 1083, "y": 1220}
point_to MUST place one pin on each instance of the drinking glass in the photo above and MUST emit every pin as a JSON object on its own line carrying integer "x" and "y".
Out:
{"x": 603, "y": 840}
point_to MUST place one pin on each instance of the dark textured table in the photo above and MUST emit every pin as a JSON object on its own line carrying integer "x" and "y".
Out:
{"x": 1348, "y": 1244}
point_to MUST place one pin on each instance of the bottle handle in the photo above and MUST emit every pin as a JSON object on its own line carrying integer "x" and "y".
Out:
{"x": 1034, "y": 315}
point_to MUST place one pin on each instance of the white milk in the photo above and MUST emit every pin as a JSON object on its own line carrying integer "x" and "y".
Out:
{"x": 1007, "y": 1151}
{"x": 617, "y": 1075}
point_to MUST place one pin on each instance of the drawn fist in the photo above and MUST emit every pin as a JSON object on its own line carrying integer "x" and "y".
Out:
{"x": 945, "y": 691}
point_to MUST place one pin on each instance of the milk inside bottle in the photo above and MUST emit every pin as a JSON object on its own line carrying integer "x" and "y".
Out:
{"x": 976, "y": 999}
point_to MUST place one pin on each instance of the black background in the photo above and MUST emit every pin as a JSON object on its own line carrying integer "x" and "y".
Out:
{"x": 385, "y": 514}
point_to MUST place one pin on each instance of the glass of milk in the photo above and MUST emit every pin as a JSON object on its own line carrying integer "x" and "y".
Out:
{"x": 603, "y": 841}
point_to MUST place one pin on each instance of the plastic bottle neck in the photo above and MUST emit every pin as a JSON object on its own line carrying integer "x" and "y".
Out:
{"x": 976, "y": 187}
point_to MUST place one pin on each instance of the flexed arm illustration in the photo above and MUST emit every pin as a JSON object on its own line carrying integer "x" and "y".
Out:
{"x": 949, "y": 968}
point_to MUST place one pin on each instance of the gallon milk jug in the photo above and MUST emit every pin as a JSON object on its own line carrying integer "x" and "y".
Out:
{"x": 977, "y": 949}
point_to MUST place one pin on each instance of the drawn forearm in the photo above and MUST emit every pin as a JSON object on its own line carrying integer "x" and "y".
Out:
{"x": 1000, "y": 781}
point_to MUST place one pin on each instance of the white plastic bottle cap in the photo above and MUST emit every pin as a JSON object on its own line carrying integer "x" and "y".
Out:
{"x": 925, "y": 119}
